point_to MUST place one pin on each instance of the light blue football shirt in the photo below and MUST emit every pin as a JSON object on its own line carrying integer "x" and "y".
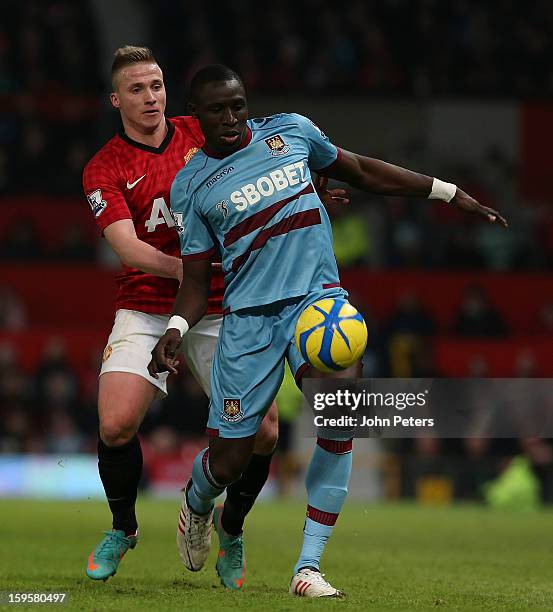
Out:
{"x": 259, "y": 210}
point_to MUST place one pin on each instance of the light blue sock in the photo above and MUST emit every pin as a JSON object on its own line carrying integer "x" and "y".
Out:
{"x": 327, "y": 487}
{"x": 205, "y": 488}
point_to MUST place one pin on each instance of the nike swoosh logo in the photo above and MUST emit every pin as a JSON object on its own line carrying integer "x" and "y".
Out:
{"x": 131, "y": 185}
{"x": 91, "y": 565}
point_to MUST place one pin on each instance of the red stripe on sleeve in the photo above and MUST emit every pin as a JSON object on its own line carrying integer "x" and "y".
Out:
{"x": 328, "y": 169}
{"x": 203, "y": 255}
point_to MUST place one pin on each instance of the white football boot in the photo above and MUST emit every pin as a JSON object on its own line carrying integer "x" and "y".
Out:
{"x": 309, "y": 583}
{"x": 193, "y": 536}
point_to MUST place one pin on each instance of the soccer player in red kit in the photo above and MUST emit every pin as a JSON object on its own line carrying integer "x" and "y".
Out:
{"x": 127, "y": 185}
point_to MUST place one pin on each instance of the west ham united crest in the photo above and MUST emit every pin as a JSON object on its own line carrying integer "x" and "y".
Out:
{"x": 231, "y": 410}
{"x": 276, "y": 145}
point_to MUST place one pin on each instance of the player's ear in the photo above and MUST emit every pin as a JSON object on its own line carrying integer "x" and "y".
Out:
{"x": 114, "y": 100}
{"x": 192, "y": 110}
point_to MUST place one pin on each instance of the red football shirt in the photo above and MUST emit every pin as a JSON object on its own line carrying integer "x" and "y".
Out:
{"x": 129, "y": 180}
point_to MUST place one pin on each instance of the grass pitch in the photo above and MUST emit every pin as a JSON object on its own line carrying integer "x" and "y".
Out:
{"x": 385, "y": 557}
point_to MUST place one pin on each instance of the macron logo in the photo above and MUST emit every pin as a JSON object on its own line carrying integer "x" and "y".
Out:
{"x": 221, "y": 174}
{"x": 131, "y": 185}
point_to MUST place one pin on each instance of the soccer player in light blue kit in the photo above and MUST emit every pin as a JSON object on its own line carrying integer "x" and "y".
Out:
{"x": 249, "y": 195}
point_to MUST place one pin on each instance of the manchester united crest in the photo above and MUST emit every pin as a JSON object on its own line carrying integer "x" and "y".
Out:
{"x": 276, "y": 145}
{"x": 231, "y": 410}
{"x": 190, "y": 154}
{"x": 107, "y": 353}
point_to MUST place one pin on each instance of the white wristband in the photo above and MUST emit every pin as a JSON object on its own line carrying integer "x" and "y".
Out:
{"x": 442, "y": 191}
{"x": 180, "y": 323}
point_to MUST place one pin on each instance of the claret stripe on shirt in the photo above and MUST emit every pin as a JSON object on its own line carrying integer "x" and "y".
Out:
{"x": 299, "y": 220}
{"x": 260, "y": 218}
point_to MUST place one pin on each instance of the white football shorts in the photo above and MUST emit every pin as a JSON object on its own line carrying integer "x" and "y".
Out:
{"x": 135, "y": 334}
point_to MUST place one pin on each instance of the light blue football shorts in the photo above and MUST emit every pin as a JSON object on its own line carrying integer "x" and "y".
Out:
{"x": 248, "y": 365}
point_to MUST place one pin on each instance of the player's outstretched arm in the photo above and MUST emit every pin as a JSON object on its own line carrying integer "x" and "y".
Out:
{"x": 135, "y": 253}
{"x": 190, "y": 307}
{"x": 377, "y": 176}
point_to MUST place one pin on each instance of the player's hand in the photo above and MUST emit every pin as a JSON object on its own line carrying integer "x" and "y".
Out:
{"x": 164, "y": 355}
{"x": 329, "y": 196}
{"x": 463, "y": 201}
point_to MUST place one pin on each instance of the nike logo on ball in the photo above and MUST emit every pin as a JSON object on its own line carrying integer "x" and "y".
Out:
{"x": 131, "y": 185}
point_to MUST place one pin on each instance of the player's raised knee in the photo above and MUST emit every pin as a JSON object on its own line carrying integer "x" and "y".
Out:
{"x": 227, "y": 468}
{"x": 115, "y": 432}
{"x": 228, "y": 472}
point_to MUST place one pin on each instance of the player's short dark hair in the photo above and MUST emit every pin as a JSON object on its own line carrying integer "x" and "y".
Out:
{"x": 210, "y": 74}
{"x": 128, "y": 55}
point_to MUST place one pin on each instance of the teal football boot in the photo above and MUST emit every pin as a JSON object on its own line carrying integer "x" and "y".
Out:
{"x": 104, "y": 561}
{"x": 231, "y": 563}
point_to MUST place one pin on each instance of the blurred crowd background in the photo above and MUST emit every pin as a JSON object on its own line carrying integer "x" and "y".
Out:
{"x": 461, "y": 90}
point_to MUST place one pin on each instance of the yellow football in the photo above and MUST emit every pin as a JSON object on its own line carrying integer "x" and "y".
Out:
{"x": 331, "y": 335}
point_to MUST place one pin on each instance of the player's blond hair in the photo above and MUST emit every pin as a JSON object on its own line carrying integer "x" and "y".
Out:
{"x": 128, "y": 55}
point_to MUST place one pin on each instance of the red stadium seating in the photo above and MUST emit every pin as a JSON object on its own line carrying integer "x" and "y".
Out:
{"x": 453, "y": 356}
{"x": 82, "y": 345}
{"x": 49, "y": 215}
{"x": 518, "y": 297}
{"x": 80, "y": 295}
{"x": 75, "y": 303}
{"x": 63, "y": 296}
